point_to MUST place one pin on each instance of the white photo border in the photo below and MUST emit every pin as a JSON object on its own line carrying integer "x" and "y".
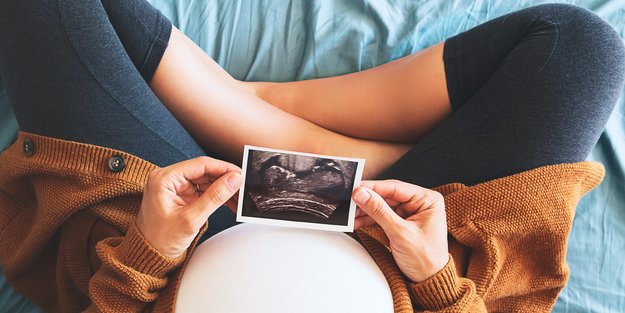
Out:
{"x": 294, "y": 224}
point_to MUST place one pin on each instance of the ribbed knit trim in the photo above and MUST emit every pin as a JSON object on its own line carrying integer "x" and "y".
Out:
{"x": 439, "y": 291}
{"x": 396, "y": 280}
{"x": 167, "y": 300}
{"x": 81, "y": 157}
{"x": 135, "y": 252}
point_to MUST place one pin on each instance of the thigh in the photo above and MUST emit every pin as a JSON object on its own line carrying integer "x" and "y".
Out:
{"x": 528, "y": 89}
{"x": 68, "y": 76}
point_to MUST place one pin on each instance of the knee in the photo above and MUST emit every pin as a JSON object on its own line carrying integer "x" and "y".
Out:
{"x": 588, "y": 40}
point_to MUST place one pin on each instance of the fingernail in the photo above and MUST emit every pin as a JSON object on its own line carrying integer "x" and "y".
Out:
{"x": 234, "y": 181}
{"x": 362, "y": 196}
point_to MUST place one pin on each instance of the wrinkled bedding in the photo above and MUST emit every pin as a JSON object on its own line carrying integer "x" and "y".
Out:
{"x": 284, "y": 40}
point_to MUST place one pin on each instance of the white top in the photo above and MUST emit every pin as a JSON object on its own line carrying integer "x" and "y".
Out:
{"x": 258, "y": 268}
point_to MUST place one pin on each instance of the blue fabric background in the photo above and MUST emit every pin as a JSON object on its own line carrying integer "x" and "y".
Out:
{"x": 284, "y": 40}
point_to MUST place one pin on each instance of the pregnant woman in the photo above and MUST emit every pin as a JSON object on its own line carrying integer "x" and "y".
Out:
{"x": 107, "y": 189}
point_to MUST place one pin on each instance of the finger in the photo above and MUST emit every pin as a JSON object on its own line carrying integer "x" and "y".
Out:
{"x": 202, "y": 187}
{"x": 429, "y": 200}
{"x": 395, "y": 206}
{"x": 391, "y": 202}
{"x": 398, "y": 190}
{"x": 187, "y": 189}
{"x": 217, "y": 194}
{"x": 404, "y": 211}
{"x": 376, "y": 208}
{"x": 367, "y": 183}
{"x": 400, "y": 210}
{"x": 371, "y": 184}
{"x": 199, "y": 167}
{"x": 204, "y": 180}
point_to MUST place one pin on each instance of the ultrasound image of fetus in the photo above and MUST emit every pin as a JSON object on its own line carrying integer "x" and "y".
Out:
{"x": 279, "y": 182}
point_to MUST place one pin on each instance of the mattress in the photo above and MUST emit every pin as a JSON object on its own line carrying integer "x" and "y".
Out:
{"x": 284, "y": 40}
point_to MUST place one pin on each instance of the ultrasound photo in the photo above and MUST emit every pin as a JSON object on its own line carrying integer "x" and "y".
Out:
{"x": 286, "y": 188}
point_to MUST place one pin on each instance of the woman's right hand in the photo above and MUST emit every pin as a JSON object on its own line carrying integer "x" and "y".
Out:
{"x": 178, "y": 200}
{"x": 414, "y": 221}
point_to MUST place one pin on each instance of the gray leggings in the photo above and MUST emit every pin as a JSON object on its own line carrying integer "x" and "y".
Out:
{"x": 528, "y": 89}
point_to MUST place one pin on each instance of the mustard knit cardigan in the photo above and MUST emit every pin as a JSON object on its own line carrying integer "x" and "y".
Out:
{"x": 68, "y": 239}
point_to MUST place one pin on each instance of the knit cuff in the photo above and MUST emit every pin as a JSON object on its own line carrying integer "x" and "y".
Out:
{"x": 439, "y": 291}
{"x": 136, "y": 252}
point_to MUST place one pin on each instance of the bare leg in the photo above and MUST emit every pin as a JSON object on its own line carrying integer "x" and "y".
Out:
{"x": 223, "y": 115}
{"x": 399, "y": 101}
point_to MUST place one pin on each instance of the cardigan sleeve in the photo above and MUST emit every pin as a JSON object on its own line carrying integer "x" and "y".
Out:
{"x": 131, "y": 275}
{"x": 446, "y": 292}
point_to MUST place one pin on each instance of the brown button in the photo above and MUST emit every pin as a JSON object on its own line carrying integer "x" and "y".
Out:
{"x": 29, "y": 147}
{"x": 116, "y": 164}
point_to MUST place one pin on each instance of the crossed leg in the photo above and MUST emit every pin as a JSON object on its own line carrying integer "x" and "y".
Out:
{"x": 515, "y": 120}
{"x": 517, "y": 98}
{"x": 399, "y": 101}
{"x": 223, "y": 115}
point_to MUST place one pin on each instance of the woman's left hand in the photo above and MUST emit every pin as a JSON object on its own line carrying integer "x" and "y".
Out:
{"x": 414, "y": 220}
{"x": 178, "y": 200}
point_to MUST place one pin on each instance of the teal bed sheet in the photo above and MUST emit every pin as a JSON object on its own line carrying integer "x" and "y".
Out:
{"x": 284, "y": 40}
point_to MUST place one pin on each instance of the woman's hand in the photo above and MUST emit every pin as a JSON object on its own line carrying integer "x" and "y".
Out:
{"x": 414, "y": 220}
{"x": 178, "y": 200}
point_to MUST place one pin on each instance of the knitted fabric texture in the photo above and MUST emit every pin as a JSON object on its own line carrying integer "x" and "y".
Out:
{"x": 68, "y": 239}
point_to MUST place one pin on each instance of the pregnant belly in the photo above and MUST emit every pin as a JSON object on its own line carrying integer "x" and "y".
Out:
{"x": 257, "y": 268}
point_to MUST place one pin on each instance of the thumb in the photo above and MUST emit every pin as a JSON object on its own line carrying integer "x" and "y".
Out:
{"x": 217, "y": 194}
{"x": 375, "y": 206}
